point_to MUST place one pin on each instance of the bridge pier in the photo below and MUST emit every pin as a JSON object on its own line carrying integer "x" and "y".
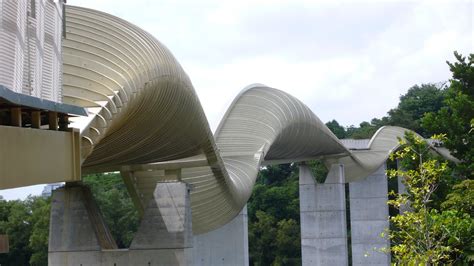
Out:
{"x": 369, "y": 217}
{"x": 227, "y": 245}
{"x": 323, "y": 218}
{"x": 78, "y": 235}
{"x": 165, "y": 236}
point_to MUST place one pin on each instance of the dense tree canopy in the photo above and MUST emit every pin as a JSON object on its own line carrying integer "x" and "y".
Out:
{"x": 456, "y": 116}
{"x": 273, "y": 213}
{"x": 337, "y": 129}
{"x": 27, "y": 225}
{"x": 413, "y": 105}
{"x": 365, "y": 130}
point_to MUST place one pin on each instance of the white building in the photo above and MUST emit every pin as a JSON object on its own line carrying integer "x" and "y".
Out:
{"x": 30, "y": 47}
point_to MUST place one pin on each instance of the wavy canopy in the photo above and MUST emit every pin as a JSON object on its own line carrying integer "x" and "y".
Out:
{"x": 145, "y": 120}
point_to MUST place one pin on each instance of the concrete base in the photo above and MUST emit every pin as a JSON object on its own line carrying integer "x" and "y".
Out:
{"x": 369, "y": 218}
{"x": 323, "y": 218}
{"x": 76, "y": 222}
{"x": 163, "y": 238}
{"x": 120, "y": 257}
{"x": 227, "y": 245}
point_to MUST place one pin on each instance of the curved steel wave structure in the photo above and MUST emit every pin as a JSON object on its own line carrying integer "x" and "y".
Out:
{"x": 144, "y": 115}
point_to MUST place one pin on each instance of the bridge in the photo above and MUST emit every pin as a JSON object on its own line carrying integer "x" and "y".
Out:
{"x": 127, "y": 105}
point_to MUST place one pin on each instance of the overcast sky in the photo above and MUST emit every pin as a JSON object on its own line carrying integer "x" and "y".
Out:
{"x": 347, "y": 60}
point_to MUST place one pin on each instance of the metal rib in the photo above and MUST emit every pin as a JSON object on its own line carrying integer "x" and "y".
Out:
{"x": 143, "y": 109}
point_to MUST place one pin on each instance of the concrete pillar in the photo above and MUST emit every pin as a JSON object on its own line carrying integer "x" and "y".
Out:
{"x": 165, "y": 233}
{"x": 227, "y": 245}
{"x": 163, "y": 238}
{"x": 369, "y": 218}
{"x": 323, "y": 218}
{"x": 76, "y": 228}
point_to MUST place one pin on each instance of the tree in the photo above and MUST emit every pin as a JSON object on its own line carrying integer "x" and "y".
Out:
{"x": 288, "y": 243}
{"x": 413, "y": 105}
{"x": 116, "y": 206}
{"x": 455, "y": 119}
{"x": 461, "y": 197}
{"x": 423, "y": 234}
{"x": 337, "y": 129}
{"x": 38, "y": 240}
{"x": 460, "y": 202}
{"x": 26, "y": 222}
{"x": 273, "y": 213}
{"x": 418, "y": 101}
{"x": 319, "y": 170}
{"x": 365, "y": 131}
{"x": 262, "y": 235}
{"x": 16, "y": 225}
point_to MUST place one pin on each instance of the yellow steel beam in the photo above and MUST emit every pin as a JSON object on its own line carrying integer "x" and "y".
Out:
{"x": 32, "y": 156}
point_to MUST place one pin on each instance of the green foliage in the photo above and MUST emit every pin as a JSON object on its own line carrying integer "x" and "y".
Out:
{"x": 319, "y": 170}
{"x": 262, "y": 235}
{"x": 116, "y": 206}
{"x": 365, "y": 131}
{"x": 288, "y": 243}
{"x": 275, "y": 174}
{"x": 18, "y": 228}
{"x": 337, "y": 129}
{"x": 460, "y": 203}
{"x": 456, "y": 116}
{"x": 423, "y": 234}
{"x": 461, "y": 197}
{"x": 273, "y": 211}
{"x": 27, "y": 225}
{"x": 38, "y": 243}
{"x": 418, "y": 101}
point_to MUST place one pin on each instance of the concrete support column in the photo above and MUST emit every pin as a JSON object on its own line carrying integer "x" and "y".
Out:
{"x": 77, "y": 232}
{"x": 78, "y": 235}
{"x": 227, "y": 245}
{"x": 164, "y": 236}
{"x": 369, "y": 218}
{"x": 323, "y": 218}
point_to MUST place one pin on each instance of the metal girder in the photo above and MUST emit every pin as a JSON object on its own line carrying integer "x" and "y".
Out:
{"x": 33, "y": 156}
